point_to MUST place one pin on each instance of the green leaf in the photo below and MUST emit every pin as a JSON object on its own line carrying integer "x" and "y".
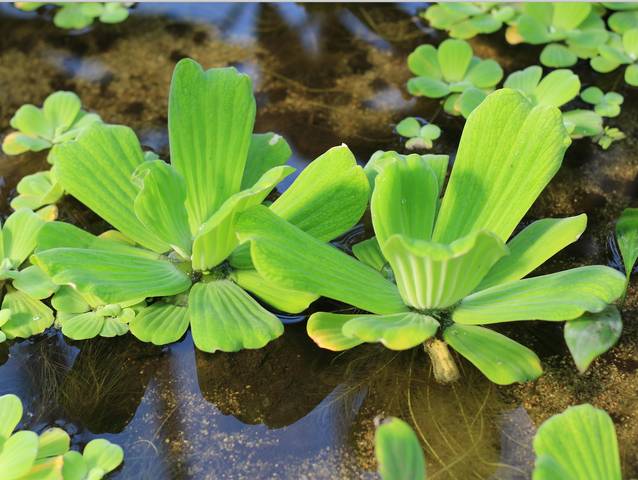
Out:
{"x": 631, "y": 75}
{"x": 83, "y": 326}
{"x": 102, "y": 454}
{"x": 328, "y": 197}
{"x": 581, "y": 443}
{"x": 37, "y": 190}
{"x": 326, "y": 330}
{"x": 18, "y": 454}
{"x": 603, "y": 65}
{"x": 112, "y": 277}
{"x": 525, "y": 80}
{"x": 210, "y": 120}
{"x": 61, "y": 109}
{"x": 283, "y": 299}
{"x": 160, "y": 204}
{"x": 501, "y": 359}
{"x": 557, "y": 88}
{"x": 582, "y": 123}
{"x": 398, "y": 451}
{"x": 216, "y": 238}
{"x": 53, "y": 442}
{"x": 630, "y": 43}
{"x": 285, "y": 255}
{"x": 28, "y": 315}
{"x": 532, "y": 30}
{"x": 160, "y": 323}
{"x": 534, "y": 245}
{"x": 224, "y": 317}
{"x": 556, "y": 55}
{"x": 620, "y": 22}
{"x": 433, "y": 275}
{"x": 508, "y": 153}
{"x": 96, "y": 169}
{"x": 30, "y": 120}
{"x": 266, "y": 151}
{"x": 408, "y": 127}
{"x": 34, "y": 282}
{"x": 369, "y": 252}
{"x": 428, "y": 87}
{"x": 469, "y": 100}
{"x": 592, "y": 95}
{"x": 398, "y": 331}
{"x": 19, "y": 235}
{"x": 485, "y": 74}
{"x": 627, "y": 237}
{"x": 568, "y": 16}
{"x": 16, "y": 143}
{"x": 592, "y": 335}
{"x": 10, "y": 415}
{"x": 454, "y": 58}
{"x": 558, "y": 296}
{"x": 404, "y": 200}
{"x": 424, "y": 62}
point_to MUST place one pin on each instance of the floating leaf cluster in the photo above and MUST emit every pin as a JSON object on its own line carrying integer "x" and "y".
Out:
{"x": 79, "y": 15}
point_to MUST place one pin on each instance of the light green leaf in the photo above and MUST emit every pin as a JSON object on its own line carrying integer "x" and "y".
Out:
{"x": 534, "y": 245}
{"x": 160, "y": 323}
{"x": 582, "y": 123}
{"x": 19, "y": 235}
{"x": 556, "y": 55}
{"x": 328, "y": 197}
{"x": 398, "y": 331}
{"x": 30, "y": 120}
{"x": 102, "y": 454}
{"x": 224, "y": 317}
{"x": 28, "y": 315}
{"x": 485, "y": 73}
{"x": 428, "y": 87}
{"x": 424, "y": 62}
{"x": 216, "y": 238}
{"x": 603, "y": 65}
{"x": 581, "y": 443}
{"x": 557, "y": 88}
{"x": 631, "y": 75}
{"x": 567, "y": 16}
{"x": 630, "y": 43}
{"x": 627, "y": 237}
{"x": 369, "y": 252}
{"x": 326, "y": 330}
{"x": 558, "y": 296}
{"x": 433, "y": 275}
{"x": 34, "y": 282}
{"x": 96, "y": 169}
{"x": 592, "y": 95}
{"x": 10, "y": 415}
{"x": 74, "y": 466}
{"x": 398, "y": 451}
{"x": 16, "y": 143}
{"x": 285, "y": 255}
{"x": 508, "y": 153}
{"x": 61, "y": 109}
{"x": 592, "y": 335}
{"x": 620, "y": 22}
{"x": 408, "y": 127}
{"x": 112, "y": 277}
{"x": 283, "y": 299}
{"x": 501, "y": 359}
{"x": 454, "y": 58}
{"x": 525, "y": 80}
{"x": 266, "y": 151}
{"x": 18, "y": 454}
{"x": 469, "y": 100}
{"x": 116, "y": 326}
{"x": 53, "y": 442}
{"x": 160, "y": 204}
{"x": 37, "y": 190}
{"x": 210, "y": 120}
{"x": 82, "y": 326}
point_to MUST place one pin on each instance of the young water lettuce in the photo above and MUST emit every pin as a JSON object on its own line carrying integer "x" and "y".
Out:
{"x": 398, "y": 451}
{"x": 82, "y": 14}
{"x": 619, "y": 50}
{"x": 419, "y": 136}
{"x": 578, "y": 444}
{"x": 605, "y": 104}
{"x": 454, "y": 268}
{"x": 467, "y": 19}
{"x": 25, "y": 455}
{"x": 179, "y": 219}
{"x": 448, "y": 71}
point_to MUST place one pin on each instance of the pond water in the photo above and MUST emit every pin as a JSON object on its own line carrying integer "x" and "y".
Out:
{"x": 323, "y": 75}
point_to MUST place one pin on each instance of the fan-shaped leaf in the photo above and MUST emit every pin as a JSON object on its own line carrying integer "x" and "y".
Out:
{"x": 28, "y": 315}
{"x": 266, "y": 151}
{"x": 627, "y": 237}
{"x": 160, "y": 323}
{"x": 10, "y": 414}
{"x": 326, "y": 330}
{"x": 398, "y": 451}
{"x": 398, "y": 331}
{"x": 454, "y": 59}
{"x": 18, "y": 454}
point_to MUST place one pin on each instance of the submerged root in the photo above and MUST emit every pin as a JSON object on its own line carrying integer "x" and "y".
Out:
{"x": 443, "y": 364}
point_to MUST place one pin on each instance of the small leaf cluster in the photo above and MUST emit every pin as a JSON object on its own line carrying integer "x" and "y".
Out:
{"x": 26, "y": 455}
{"x": 81, "y": 14}
{"x": 418, "y": 135}
{"x": 465, "y": 20}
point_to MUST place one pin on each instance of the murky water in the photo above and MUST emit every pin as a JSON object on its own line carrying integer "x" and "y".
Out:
{"x": 323, "y": 75}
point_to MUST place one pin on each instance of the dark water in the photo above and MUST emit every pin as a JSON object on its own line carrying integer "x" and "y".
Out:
{"x": 323, "y": 75}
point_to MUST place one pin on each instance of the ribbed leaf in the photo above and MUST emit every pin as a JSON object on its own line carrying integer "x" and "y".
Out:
{"x": 328, "y": 197}
{"x": 424, "y": 62}
{"x": 83, "y": 326}
{"x": 266, "y": 151}
{"x": 112, "y": 277}
{"x": 592, "y": 335}
{"x": 485, "y": 73}
{"x": 210, "y": 121}
{"x": 287, "y": 256}
{"x": 283, "y": 299}
{"x": 61, "y": 109}
{"x": 34, "y": 282}
{"x": 398, "y": 331}
{"x": 160, "y": 204}
{"x": 398, "y": 451}
{"x": 10, "y": 414}
{"x": 160, "y": 323}
{"x": 96, "y": 169}
{"x": 508, "y": 153}
{"x": 580, "y": 444}
{"x": 74, "y": 466}
{"x": 326, "y": 330}
{"x": 433, "y": 275}
{"x": 216, "y": 238}
{"x": 501, "y": 359}
{"x": 18, "y": 454}
{"x": 19, "y": 235}
{"x": 28, "y": 315}
{"x": 627, "y": 237}
{"x": 36, "y": 190}
{"x": 378, "y": 161}
{"x": 533, "y": 246}
{"x": 404, "y": 200}
{"x": 559, "y": 296}
{"x": 53, "y": 442}
{"x": 557, "y": 88}
{"x": 454, "y": 59}
{"x": 102, "y": 454}
{"x": 568, "y": 16}
{"x": 368, "y": 252}
{"x": 68, "y": 300}
{"x": 525, "y": 80}
{"x": 224, "y": 317}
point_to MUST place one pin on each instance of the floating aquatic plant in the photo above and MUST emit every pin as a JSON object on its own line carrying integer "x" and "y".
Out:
{"x": 25, "y": 455}
{"x": 449, "y": 70}
{"x": 398, "y": 451}
{"x": 608, "y": 136}
{"x": 467, "y": 19}
{"x": 82, "y": 14}
{"x": 179, "y": 218}
{"x": 627, "y": 238}
{"x": 619, "y": 50}
{"x": 453, "y": 269}
{"x": 419, "y": 136}
{"x": 579, "y": 444}
{"x": 605, "y": 104}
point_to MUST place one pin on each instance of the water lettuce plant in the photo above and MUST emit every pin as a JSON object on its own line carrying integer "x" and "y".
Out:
{"x": 419, "y": 136}
{"x": 605, "y": 104}
{"x": 177, "y": 246}
{"x": 447, "y": 71}
{"x": 82, "y": 14}
{"x": 398, "y": 451}
{"x": 619, "y": 50}
{"x": 25, "y": 455}
{"x": 467, "y": 19}
{"x": 579, "y": 444}
{"x": 439, "y": 270}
